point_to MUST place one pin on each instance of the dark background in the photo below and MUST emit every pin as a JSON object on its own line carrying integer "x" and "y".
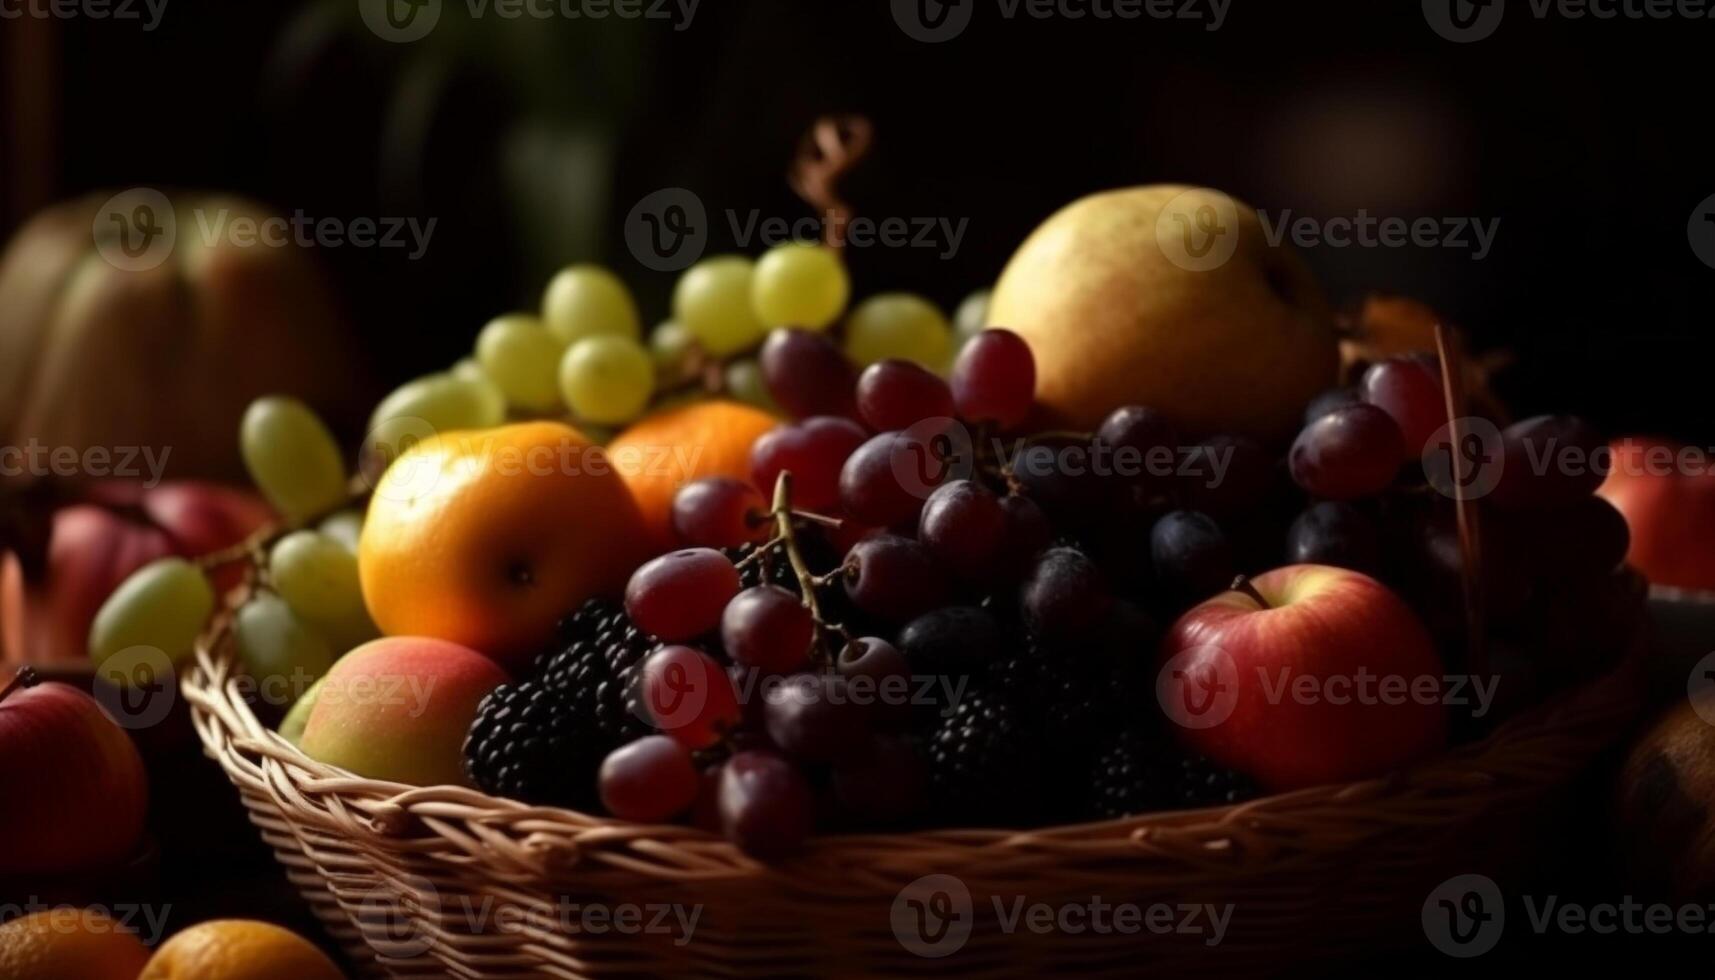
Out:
{"x": 529, "y": 142}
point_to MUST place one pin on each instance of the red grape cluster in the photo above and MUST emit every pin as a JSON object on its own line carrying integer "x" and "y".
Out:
{"x": 1382, "y": 465}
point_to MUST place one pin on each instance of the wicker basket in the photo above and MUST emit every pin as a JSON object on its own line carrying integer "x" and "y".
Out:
{"x": 444, "y": 881}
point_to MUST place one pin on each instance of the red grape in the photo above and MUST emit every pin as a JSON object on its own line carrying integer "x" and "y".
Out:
{"x": 897, "y": 394}
{"x": 814, "y": 450}
{"x": 1329, "y": 400}
{"x": 1409, "y": 390}
{"x": 807, "y": 373}
{"x": 720, "y": 512}
{"x": 894, "y": 578}
{"x": 689, "y": 696}
{"x": 965, "y": 526}
{"x": 1353, "y": 451}
{"x": 681, "y": 594}
{"x": 769, "y": 628}
{"x": 766, "y": 806}
{"x": 814, "y": 718}
{"x": 870, "y": 490}
{"x": 994, "y": 379}
{"x": 649, "y": 780}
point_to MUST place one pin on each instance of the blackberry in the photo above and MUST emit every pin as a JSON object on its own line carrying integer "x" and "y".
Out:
{"x": 772, "y": 570}
{"x": 982, "y": 762}
{"x": 1070, "y": 699}
{"x": 1138, "y": 771}
{"x": 541, "y": 740}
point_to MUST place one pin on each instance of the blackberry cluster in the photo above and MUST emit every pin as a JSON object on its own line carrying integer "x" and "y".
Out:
{"x": 983, "y": 762}
{"x": 542, "y": 740}
{"x": 1139, "y": 772}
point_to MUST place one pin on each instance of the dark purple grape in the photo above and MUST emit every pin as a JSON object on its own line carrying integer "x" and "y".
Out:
{"x": 1141, "y": 444}
{"x": 1058, "y": 473}
{"x": 886, "y": 786}
{"x": 767, "y": 627}
{"x": 1351, "y": 452}
{"x": 870, "y": 490}
{"x": 815, "y": 718}
{"x": 965, "y": 526}
{"x": 897, "y": 394}
{"x": 894, "y": 578}
{"x": 765, "y": 804}
{"x": 808, "y": 374}
{"x": 1227, "y": 476}
{"x": 952, "y": 640}
{"x": 1587, "y": 538}
{"x": 1549, "y": 461}
{"x": 1192, "y": 557}
{"x": 1335, "y": 533}
{"x": 1027, "y": 534}
{"x": 877, "y": 668}
{"x": 1064, "y": 593}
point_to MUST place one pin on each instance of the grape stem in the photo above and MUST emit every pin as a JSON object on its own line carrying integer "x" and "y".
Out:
{"x": 1243, "y": 584}
{"x": 25, "y": 677}
{"x": 787, "y": 538}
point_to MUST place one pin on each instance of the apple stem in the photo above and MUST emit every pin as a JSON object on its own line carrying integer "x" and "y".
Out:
{"x": 25, "y": 677}
{"x": 1243, "y": 584}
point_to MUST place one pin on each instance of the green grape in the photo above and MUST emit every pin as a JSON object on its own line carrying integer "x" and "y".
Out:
{"x": 520, "y": 356}
{"x": 799, "y": 284}
{"x": 607, "y": 380}
{"x": 283, "y": 654}
{"x": 670, "y": 344}
{"x": 317, "y": 576}
{"x": 429, "y": 405}
{"x": 712, "y": 300}
{"x": 344, "y": 526}
{"x": 744, "y": 382}
{"x": 973, "y": 313}
{"x": 899, "y": 325}
{"x": 589, "y": 301}
{"x": 292, "y": 727}
{"x": 163, "y": 605}
{"x": 470, "y": 370}
{"x": 292, "y": 458}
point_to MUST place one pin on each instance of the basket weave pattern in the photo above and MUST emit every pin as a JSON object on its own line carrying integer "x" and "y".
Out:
{"x": 445, "y": 881}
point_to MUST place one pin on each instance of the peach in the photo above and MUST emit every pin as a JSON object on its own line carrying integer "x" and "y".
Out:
{"x": 398, "y": 709}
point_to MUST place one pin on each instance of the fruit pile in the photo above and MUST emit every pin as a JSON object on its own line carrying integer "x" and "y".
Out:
{"x": 859, "y": 581}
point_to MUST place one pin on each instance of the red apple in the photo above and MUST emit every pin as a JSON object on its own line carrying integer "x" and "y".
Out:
{"x": 74, "y": 786}
{"x": 1667, "y": 493}
{"x": 94, "y": 546}
{"x": 1309, "y": 675}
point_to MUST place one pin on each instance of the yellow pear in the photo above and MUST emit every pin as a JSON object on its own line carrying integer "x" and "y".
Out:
{"x": 1171, "y": 297}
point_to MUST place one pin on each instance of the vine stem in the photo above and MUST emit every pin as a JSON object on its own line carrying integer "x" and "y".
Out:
{"x": 789, "y": 537}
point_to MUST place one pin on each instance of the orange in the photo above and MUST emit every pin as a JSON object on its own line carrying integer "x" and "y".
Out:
{"x": 667, "y": 450}
{"x": 69, "y": 944}
{"x": 239, "y": 949}
{"x": 487, "y": 538}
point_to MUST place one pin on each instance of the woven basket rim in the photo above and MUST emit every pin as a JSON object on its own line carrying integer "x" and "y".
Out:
{"x": 536, "y": 837}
